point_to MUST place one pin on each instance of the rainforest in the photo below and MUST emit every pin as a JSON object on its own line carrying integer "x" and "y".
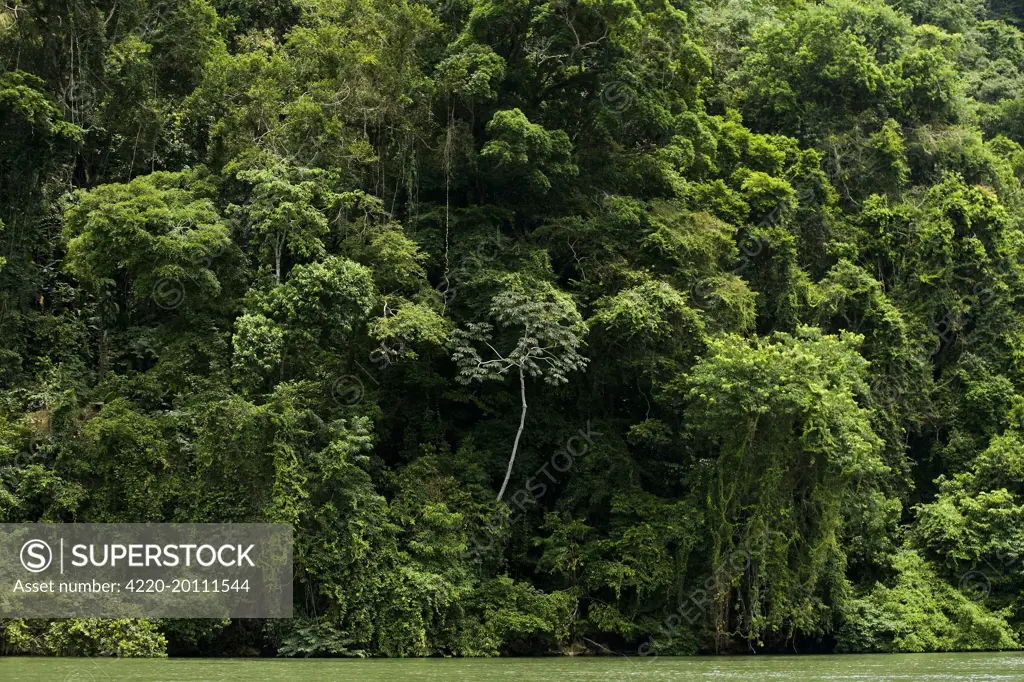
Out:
{"x": 644, "y": 327}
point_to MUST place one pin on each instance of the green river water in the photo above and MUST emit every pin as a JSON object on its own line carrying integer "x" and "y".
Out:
{"x": 930, "y": 667}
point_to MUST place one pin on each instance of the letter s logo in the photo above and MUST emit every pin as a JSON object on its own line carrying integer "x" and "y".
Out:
{"x": 36, "y": 556}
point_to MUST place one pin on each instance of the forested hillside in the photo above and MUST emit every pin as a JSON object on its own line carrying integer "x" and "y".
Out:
{"x": 725, "y": 299}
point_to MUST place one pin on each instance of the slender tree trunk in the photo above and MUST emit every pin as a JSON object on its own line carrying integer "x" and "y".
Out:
{"x": 519, "y": 433}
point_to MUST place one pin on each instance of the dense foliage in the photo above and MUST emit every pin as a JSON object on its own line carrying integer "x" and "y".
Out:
{"x": 725, "y": 298}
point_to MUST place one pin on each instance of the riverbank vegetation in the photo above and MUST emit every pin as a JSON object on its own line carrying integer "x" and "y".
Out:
{"x": 551, "y": 326}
